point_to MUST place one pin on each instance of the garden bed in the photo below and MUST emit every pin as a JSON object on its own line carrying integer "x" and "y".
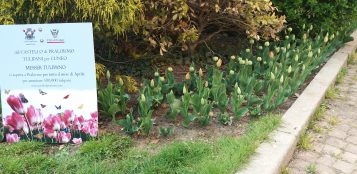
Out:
{"x": 296, "y": 119}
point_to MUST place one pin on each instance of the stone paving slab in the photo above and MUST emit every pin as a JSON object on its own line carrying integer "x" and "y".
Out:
{"x": 339, "y": 143}
{"x": 271, "y": 156}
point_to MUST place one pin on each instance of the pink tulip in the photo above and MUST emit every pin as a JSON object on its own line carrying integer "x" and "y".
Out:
{"x": 94, "y": 116}
{"x": 12, "y": 138}
{"x": 63, "y": 137}
{"x": 15, "y": 104}
{"x": 77, "y": 122}
{"x": 68, "y": 117}
{"x": 16, "y": 122}
{"x": 34, "y": 116}
{"x": 50, "y": 133}
{"x": 90, "y": 127}
{"x": 77, "y": 140}
{"x": 86, "y": 128}
{"x": 53, "y": 122}
{"x": 93, "y": 132}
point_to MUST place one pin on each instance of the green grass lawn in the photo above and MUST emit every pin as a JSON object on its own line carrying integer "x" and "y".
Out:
{"x": 114, "y": 154}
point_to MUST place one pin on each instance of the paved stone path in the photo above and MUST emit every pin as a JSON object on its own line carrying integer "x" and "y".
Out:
{"x": 334, "y": 145}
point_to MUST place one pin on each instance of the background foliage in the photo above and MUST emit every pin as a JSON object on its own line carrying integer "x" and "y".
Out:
{"x": 328, "y": 15}
{"x": 134, "y": 28}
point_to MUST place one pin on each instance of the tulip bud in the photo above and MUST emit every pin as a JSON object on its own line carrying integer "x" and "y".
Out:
{"x": 247, "y": 50}
{"x": 326, "y": 39}
{"x": 143, "y": 99}
{"x": 152, "y": 83}
{"x": 233, "y": 57}
{"x": 288, "y": 55}
{"x": 249, "y": 62}
{"x": 156, "y": 74}
{"x": 283, "y": 49}
{"x": 311, "y": 27}
{"x": 310, "y": 54}
{"x": 210, "y": 114}
{"x": 309, "y": 48}
{"x": 332, "y": 37}
{"x": 108, "y": 75}
{"x": 290, "y": 29}
{"x": 192, "y": 69}
{"x": 206, "y": 84}
{"x": 162, "y": 79}
{"x": 236, "y": 85}
{"x": 259, "y": 59}
{"x": 260, "y": 47}
{"x": 188, "y": 76}
{"x": 289, "y": 69}
{"x": 200, "y": 72}
{"x": 215, "y": 58}
{"x": 121, "y": 81}
{"x": 303, "y": 27}
{"x": 272, "y": 76}
{"x": 305, "y": 37}
{"x": 286, "y": 37}
{"x": 264, "y": 62}
{"x": 170, "y": 69}
{"x": 219, "y": 63}
{"x": 318, "y": 51}
{"x": 296, "y": 58}
{"x": 282, "y": 79}
{"x": 202, "y": 101}
{"x": 184, "y": 90}
{"x": 238, "y": 90}
{"x": 293, "y": 37}
{"x": 303, "y": 67}
{"x": 246, "y": 62}
{"x": 251, "y": 41}
{"x": 231, "y": 72}
{"x": 288, "y": 46}
{"x": 266, "y": 44}
{"x": 271, "y": 54}
{"x": 242, "y": 62}
{"x": 277, "y": 49}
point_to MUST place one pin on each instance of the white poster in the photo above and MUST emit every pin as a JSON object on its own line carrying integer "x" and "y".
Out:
{"x": 47, "y": 82}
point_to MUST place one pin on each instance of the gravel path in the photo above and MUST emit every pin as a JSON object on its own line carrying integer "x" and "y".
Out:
{"x": 334, "y": 141}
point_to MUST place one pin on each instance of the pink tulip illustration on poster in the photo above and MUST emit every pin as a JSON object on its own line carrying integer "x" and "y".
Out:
{"x": 49, "y": 120}
{"x": 51, "y": 95}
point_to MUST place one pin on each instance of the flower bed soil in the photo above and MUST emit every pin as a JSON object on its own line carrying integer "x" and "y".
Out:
{"x": 195, "y": 132}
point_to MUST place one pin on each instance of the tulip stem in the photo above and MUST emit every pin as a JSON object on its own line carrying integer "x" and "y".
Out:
{"x": 26, "y": 134}
{"x": 28, "y": 125}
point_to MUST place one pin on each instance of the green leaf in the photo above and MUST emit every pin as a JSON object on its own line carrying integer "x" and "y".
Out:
{"x": 113, "y": 109}
{"x": 241, "y": 112}
{"x": 186, "y": 122}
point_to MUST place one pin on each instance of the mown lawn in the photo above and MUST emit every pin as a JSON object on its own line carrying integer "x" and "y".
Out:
{"x": 114, "y": 154}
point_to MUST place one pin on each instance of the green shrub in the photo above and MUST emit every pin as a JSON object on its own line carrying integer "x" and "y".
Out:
{"x": 110, "y": 18}
{"x": 322, "y": 14}
{"x": 132, "y": 28}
